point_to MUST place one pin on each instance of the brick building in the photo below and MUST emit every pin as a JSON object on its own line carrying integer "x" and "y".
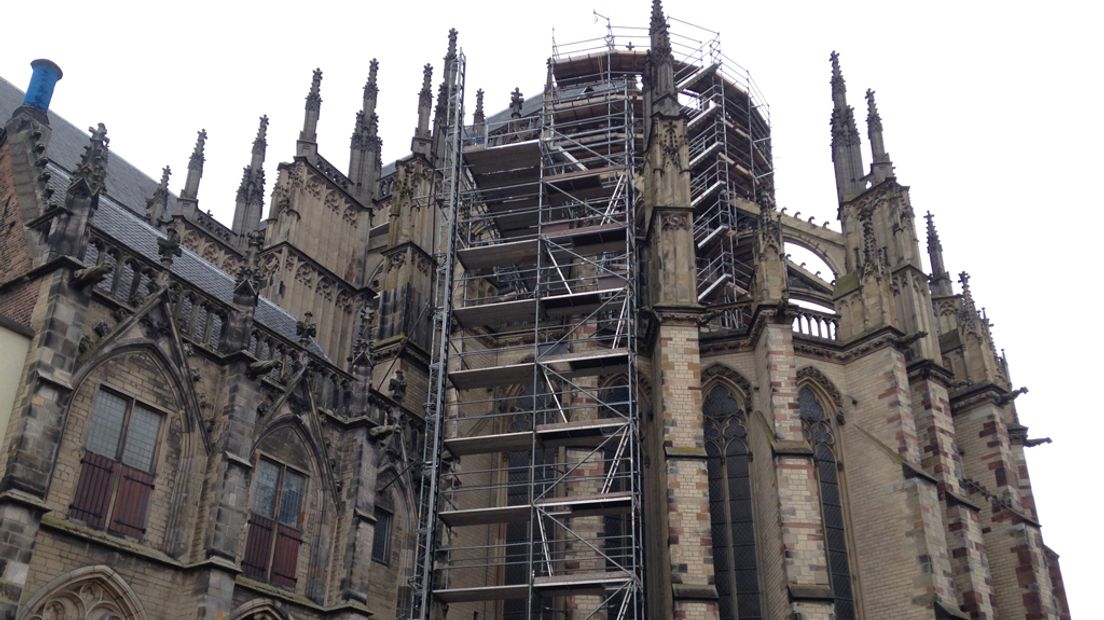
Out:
{"x": 555, "y": 363}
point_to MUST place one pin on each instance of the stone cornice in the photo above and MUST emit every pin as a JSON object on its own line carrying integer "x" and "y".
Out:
{"x": 925, "y": 369}
{"x": 975, "y": 395}
{"x": 306, "y": 258}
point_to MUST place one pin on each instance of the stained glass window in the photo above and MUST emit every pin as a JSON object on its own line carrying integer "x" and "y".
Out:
{"x": 730, "y": 506}
{"x": 818, "y": 430}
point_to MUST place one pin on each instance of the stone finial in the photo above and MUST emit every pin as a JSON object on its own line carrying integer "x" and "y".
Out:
{"x": 157, "y": 204}
{"x": 660, "y": 70}
{"x": 873, "y": 119}
{"x": 658, "y": 31}
{"x": 250, "y": 199}
{"x": 307, "y": 145}
{"x": 451, "y": 44}
{"x": 516, "y": 101}
{"x": 846, "y": 145}
{"x": 306, "y": 329}
{"x": 479, "y": 116}
{"x": 260, "y": 143}
{"x": 421, "y": 144}
{"x": 195, "y": 162}
{"x": 371, "y": 88}
{"x": 195, "y": 167}
{"x": 837, "y": 74}
{"x": 314, "y": 97}
{"x": 91, "y": 173}
{"x": 881, "y": 167}
{"x": 427, "y": 80}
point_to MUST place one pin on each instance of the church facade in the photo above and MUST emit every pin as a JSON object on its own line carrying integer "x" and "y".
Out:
{"x": 555, "y": 363}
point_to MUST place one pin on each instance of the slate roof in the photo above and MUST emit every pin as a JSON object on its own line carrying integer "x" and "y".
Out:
{"x": 117, "y": 216}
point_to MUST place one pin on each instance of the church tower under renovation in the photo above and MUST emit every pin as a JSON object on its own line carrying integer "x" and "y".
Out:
{"x": 555, "y": 363}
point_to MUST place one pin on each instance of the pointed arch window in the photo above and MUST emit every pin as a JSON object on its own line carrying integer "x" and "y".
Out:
{"x": 117, "y": 468}
{"x": 730, "y": 506}
{"x": 275, "y": 524}
{"x": 817, "y": 428}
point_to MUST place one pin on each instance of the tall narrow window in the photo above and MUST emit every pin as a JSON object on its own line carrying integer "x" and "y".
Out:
{"x": 116, "y": 478}
{"x": 730, "y": 506}
{"x": 381, "y": 540}
{"x": 275, "y": 524}
{"x": 818, "y": 431}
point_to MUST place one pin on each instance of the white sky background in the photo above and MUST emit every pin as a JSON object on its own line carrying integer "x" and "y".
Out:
{"x": 991, "y": 114}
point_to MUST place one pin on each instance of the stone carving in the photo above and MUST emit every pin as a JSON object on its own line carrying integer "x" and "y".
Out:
{"x": 397, "y": 385}
{"x": 92, "y": 593}
{"x": 334, "y": 201}
{"x": 676, "y": 221}
{"x": 305, "y": 275}
{"x": 325, "y": 288}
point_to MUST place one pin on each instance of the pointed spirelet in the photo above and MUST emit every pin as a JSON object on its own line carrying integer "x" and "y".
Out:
{"x": 371, "y": 89}
{"x": 846, "y": 146}
{"x": 661, "y": 81}
{"x": 940, "y": 279}
{"x": 451, "y": 44}
{"x": 421, "y": 142}
{"x": 195, "y": 168}
{"x": 839, "y": 86}
{"x": 479, "y": 119}
{"x": 658, "y": 30}
{"x": 881, "y": 168}
{"x": 260, "y": 143}
{"x": 314, "y": 97}
{"x": 479, "y": 115}
{"x": 307, "y": 145}
{"x": 157, "y": 204}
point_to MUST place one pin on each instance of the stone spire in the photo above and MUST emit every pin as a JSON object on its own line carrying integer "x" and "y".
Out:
{"x": 371, "y": 89}
{"x": 881, "y": 168}
{"x": 250, "y": 201}
{"x": 940, "y": 279}
{"x": 158, "y": 204}
{"x": 364, "y": 147}
{"x": 846, "y": 147}
{"x": 422, "y": 142}
{"x": 479, "y": 120}
{"x": 307, "y": 146}
{"x": 664, "y": 98}
{"x": 441, "y": 112}
{"x": 195, "y": 168}
{"x": 91, "y": 173}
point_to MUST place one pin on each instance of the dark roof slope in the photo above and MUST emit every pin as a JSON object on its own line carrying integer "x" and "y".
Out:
{"x": 117, "y": 216}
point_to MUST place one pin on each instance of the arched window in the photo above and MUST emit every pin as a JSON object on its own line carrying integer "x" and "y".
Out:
{"x": 817, "y": 427}
{"x": 117, "y": 467}
{"x": 730, "y": 506}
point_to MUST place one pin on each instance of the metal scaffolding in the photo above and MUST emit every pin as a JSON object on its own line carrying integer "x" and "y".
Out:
{"x": 444, "y": 199}
{"x": 531, "y": 495}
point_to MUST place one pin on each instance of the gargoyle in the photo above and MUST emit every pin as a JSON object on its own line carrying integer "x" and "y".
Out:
{"x": 1011, "y": 396}
{"x": 90, "y": 276}
{"x": 263, "y": 367}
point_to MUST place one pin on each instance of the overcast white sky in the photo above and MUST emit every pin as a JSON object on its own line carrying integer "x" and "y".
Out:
{"x": 992, "y": 114}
